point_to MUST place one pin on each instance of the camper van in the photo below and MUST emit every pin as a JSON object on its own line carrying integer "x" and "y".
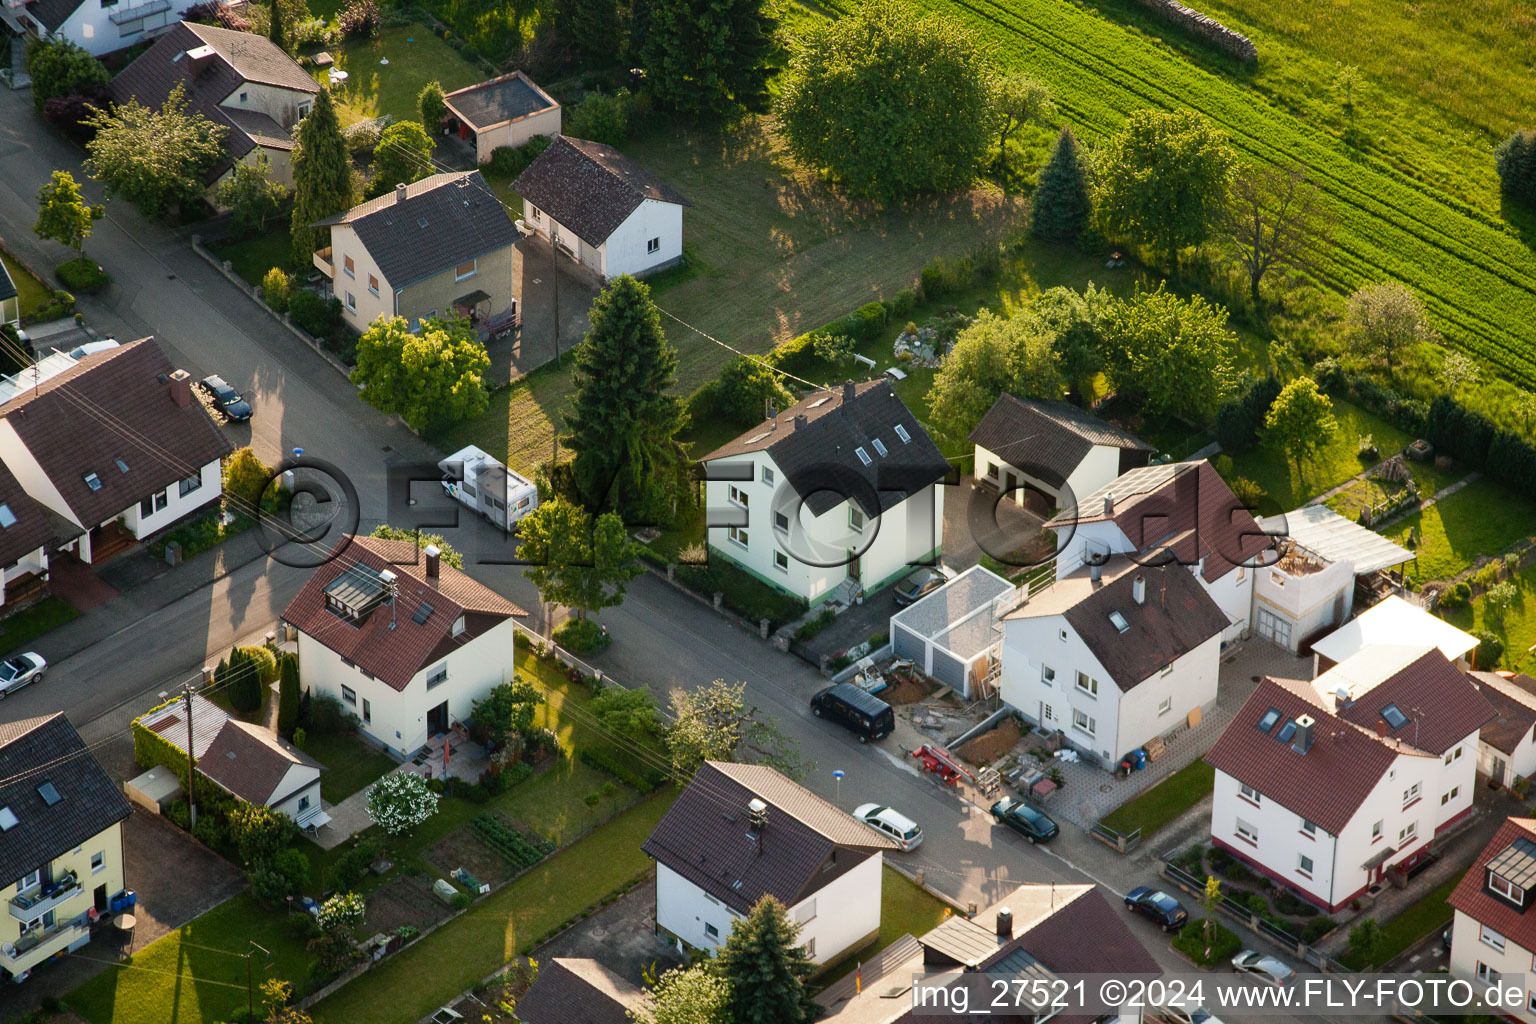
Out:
{"x": 479, "y": 482}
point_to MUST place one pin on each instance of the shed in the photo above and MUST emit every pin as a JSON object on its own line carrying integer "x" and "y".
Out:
{"x": 154, "y": 789}
{"x": 953, "y": 634}
{"x": 505, "y": 111}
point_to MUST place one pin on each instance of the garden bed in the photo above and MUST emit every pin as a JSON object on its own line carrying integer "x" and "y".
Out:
{"x": 404, "y": 901}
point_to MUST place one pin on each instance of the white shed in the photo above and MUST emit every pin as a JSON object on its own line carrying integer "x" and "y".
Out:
{"x": 479, "y": 482}
{"x": 953, "y": 634}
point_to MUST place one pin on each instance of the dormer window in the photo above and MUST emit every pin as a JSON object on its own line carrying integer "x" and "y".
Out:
{"x": 1503, "y": 887}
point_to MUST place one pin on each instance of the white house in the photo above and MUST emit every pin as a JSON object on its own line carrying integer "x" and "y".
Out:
{"x": 1506, "y": 747}
{"x": 1391, "y": 622}
{"x": 1056, "y": 448}
{"x": 1172, "y": 512}
{"x": 1493, "y": 935}
{"x": 505, "y": 111}
{"x": 96, "y": 26}
{"x": 1325, "y": 787}
{"x": 842, "y": 489}
{"x": 115, "y": 446}
{"x": 740, "y": 832}
{"x": 404, "y": 641}
{"x": 28, "y": 531}
{"x": 1113, "y": 656}
{"x": 604, "y": 210}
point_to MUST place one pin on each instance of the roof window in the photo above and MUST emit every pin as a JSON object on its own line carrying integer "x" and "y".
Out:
{"x": 423, "y": 613}
{"x": 863, "y": 455}
{"x": 879, "y": 447}
{"x": 122, "y": 467}
{"x": 49, "y": 794}
{"x": 93, "y": 481}
{"x": 901, "y": 432}
{"x": 1267, "y": 722}
{"x": 820, "y": 402}
{"x": 7, "y": 517}
{"x": 1286, "y": 731}
{"x": 1394, "y": 716}
{"x": 1118, "y": 621}
{"x": 8, "y": 819}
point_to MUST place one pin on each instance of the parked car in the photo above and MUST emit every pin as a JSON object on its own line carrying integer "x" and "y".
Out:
{"x": 1445, "y": 937}
{"x": 1024, "y": 820}
{"x": 230, "y": 402}
{"x": 919, "y": 584}
{"x": 866, "y": 715}
{"x": 19, "y": 671}
{"x": 1261, "y": 965}
{"x": 1169, "y": 914}
{"x": 892, "y": 824}
{"x": 1176, "y": 1013}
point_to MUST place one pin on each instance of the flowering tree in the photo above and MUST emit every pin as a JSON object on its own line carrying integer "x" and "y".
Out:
{"x": 342, "y": 912}
{"x": 400, "y": 801}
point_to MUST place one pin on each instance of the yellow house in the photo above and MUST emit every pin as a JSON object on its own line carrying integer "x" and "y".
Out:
{"x": 61, "y": 842}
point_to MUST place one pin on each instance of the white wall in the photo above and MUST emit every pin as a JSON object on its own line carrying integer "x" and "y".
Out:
{"x": 516, "y": 132}
{"x": 1233, "y": 594}
{"x": 29, "y": 473}
{"x": 1188, "y": 683}
{"x": 1522, "y": 762}
{"x": 1075, "y": 541}
{"x": 624, "y": 251}
{"x": 33, "y": 561}
{"x": 300, "y": 782}
{"x": 91, "y": 26}
{"x": 281, "y": 105}
{"x": 177, "y": 505}
{"x": 1309, "y": 601}
{"x": 1513, "y": 961}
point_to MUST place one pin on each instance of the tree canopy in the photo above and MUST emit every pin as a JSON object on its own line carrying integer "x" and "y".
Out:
{"x": 431, "y": 378}
{"x": 322, "y": 177}
{"x": 715, "y": 723}
{"x": 63, "y": 215}
{"x": 766, "y": 965}
{"x": 1062, "y": 204}
{"x": 1389, "y": 319}
{"x": 1300, "y": 420}
{"x": 574, "y": 560}
{"x": 1173, "y": 354}
{"x": 697, "y": 994}
{"x": 1274, "y": 218}
{"x": 1017, "y": 100}
{"x": 156, "y": 159}
{"x": 251, "y": 195}
{"x": 703, "y": 58}
{"x": 431, "y": 107}
{"x": 403, "y": 155}
{"x": 891, "y": 100}
{"x": 59, "y": 67}
{"x": 996, "y": 354}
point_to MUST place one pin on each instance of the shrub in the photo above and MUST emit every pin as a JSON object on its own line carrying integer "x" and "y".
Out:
{"x": 71, "y": 113}
{"x": 210, "y": 831}
{"x": 342, "y": 913}
{"x": 1456, "y": 595}
{"x": 903, "y": 302}
{"x": 644, "y": 780}
{"x": 510, "y": 161}
{"x": 1246, "y": 491}
{"x": 600, "y": 117}
{"x": 400, "y": 801}
{"x": 1317, "y": 928}
{"x": 359, "y": 18}
{"x": 1490, "y": 648}
{"x": 871, "y": 318}
{"x": 258, "y": 832}
{"x": 816, "y": 624}
{"x": 326, "y": 716}
{"x": 309, "y": 312}
{"x": 834, "y": 348}
{"x": 58, "y": 68}
{"x": 581, "y": 636}
{"x": 1239, "y": 418}
{"x": 591, "y": 799}
{"x": 352, "y": 866}
{"x": 431, "y": 107}
{"x": 275, "y": 287}
{"x": 1191, "y": 942}
{"x": 82, "y": 276}
{"x": 264, "y": 660}
{"x": 303, "y": 926}
{"x": 1515, "y": 160}
{"x": 609, "y": 788}
{"x": 461, "y": 901}
{"x": 943, "y": 277}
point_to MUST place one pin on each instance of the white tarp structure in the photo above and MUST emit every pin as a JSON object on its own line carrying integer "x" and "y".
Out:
{"x": 1320, "y": 529}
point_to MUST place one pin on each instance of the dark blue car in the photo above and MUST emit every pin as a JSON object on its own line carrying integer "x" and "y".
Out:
{"x": 1169, "y": 914}
{"x": 230, "y": 402}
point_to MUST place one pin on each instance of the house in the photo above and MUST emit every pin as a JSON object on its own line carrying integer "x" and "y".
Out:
{"x": 569, "y": 989}
{"x": 247, "y": 761}
{"x": 242, "y": 81}
{"x": 10, "y": 299}
{"x": 1052, "y": 447}
{"x": 602, "y": 209}
{"x": 115, "y": 444}
{"x": 1327, "y": 786}
{"x": 1032, "y": 941}
{"x": 1180, "y": 511}
{"x": 1392, "y": 622}
{"x": 96, "y": 26}
{"x": 505, "y": 111}
{"x": 441, "y": 246}
{"x": 1493, "y": 935}
{"x": 954, "y": 634}
{"x": 739, "y": 832}
{"x": 1506, "y": 746}
{"x": 841, "y": 490}
{"x": 1113, "y": 656}
{"x": 61, "y": 842}
{"x": 28, "y": 531}
{"x": 404, "y": 641}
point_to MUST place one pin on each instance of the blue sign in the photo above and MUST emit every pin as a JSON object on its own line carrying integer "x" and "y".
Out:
{"x": 837, "y": 774}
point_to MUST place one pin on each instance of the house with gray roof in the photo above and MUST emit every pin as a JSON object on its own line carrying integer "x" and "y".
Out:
{"x": 602, "y": 209}
{"x": 955, "y": 634}
{"x": 576, "y": 989}
{"x": 441, "y": 246}
{"x": 96, "y": 26}
{"x": 505, "y": 111}
{"x": 1063, "y": 452}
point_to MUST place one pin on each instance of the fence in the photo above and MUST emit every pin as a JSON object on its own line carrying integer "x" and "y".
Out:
{"x": 1252, "y": 921}
{"x": 850, "y": 671}
{"x": 1125, "y": 842}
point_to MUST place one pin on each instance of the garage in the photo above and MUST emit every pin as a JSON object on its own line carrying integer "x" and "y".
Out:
{"x": 953, "y": 635}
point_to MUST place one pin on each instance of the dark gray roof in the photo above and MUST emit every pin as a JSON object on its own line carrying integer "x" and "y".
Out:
{"x": 1047, "y": 439}
{"x": 590, "y": 188}
{"x": 262, "y": 129}
{"x": 568, "y": 991}
{"x": 819, "y": 456}
{"x": 1175, "y": 617}
{"x": 7, "y": 286}
{"x": 444, "y": 220}
{"x": 47, "y": 749}
{"x": 53, "y": 13}
{"x": 34, "y": 525}
{"x": 498, "y": 101}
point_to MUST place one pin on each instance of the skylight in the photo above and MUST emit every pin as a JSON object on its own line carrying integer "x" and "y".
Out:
{"x": 863, "y": 455}
{"x": 1287, "y": 731}
{"x": 8, "y": 819}
{"x": 901, "y": 432}
{"x": 1118, "y": 621}
{"x": 49, "y": 794}
{"x": 1268, "y": 721}
{"x": 421, "y": 222}
{"x": 7, "y": 517}
{"x": 1394, "y": 716}
{"x": 879, "y": 447}
{"x": 122, "y": 467}
{"x": 93, "y": 481}
{"x": 422, "y": 614}
{"x": 759, "y": 437}
{"x": 820, "y": 402}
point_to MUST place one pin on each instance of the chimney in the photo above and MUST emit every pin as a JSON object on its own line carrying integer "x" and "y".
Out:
{"x": 1340, "y": 699}
{"x": 1381, "y": 728}
{"x": 181, "y": 388}
{"x": 1004, "y": 923}
{"x": 1304, "y": 726}
{"x": 757, "y": 812}
{"x": 434, "y": 556}
{"x": 1095, "y": 571}
{"x": 800, "y": 420}
{"x": 1139, "y": 589}
{"x": 1109, "y": 504}
{"x": 847, "y": 395}
{"x": 400, "y": 193}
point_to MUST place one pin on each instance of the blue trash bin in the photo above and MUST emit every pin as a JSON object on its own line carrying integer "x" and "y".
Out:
{"x": 1139, "y": 759}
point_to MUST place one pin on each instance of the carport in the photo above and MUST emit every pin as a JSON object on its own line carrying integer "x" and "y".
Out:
{"x": 953, "y": 634}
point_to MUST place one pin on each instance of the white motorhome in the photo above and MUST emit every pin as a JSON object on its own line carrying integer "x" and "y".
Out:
{"x": 479, "y": 482}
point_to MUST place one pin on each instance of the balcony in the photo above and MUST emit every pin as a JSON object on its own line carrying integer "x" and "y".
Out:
{"x": 138, "y": 12}
{"x": 30, "y": 906}
{"x": 324, "y": 264}
{"x": 37, "y": 945}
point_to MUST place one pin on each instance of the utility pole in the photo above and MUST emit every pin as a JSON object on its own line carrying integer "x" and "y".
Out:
{"x": 250, "y": 1009}
{"x": 554, "y": 267}
{"x": 191, "y": 758}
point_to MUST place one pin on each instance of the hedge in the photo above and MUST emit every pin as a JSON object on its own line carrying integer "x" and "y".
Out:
{"x": 645, "y": 781}
{"x": 1474, "y": 439}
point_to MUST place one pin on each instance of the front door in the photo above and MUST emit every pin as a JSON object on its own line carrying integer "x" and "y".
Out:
{"x": 100, "y": 897}
{"x": 1496, "y": 774}
{"x": 437, "y": 720}
{"x": 853, "y": 564}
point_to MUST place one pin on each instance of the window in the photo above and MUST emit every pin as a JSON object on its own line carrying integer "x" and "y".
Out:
{"x": 1166, "y": 706}
{"x": 534, "y": 213}
{"x": 437, "y": 676}
{"x": 1083, "y": 722}
{"x": 863, "y": 455}
{"x": 810, "y": 947}
{"x": 155, "y": 502}
{"x": 738, "y": 496}
{"x": 352, "y": 302}
{"x": 93, "y": 481}
{"x": 373, "y": 284}
{"x": 98, "y": 861}
{"x": 1247, "y": 831}
{"x": 1411, "y": 794}
{"x": 901, "y": 432}
{"x": 1242, "y": 573}
{"x": 1309, "y": 827}
{"x": 1489, "y": 937}
{"x": 1061, "y": 635}
{"x": 1453, "y": 755}
{"x": 190, "y": 484}
{"x": 303, "y": 109}
{"x": 1304, "y": 864}
{"x": 879, "y": 447}
{"x": 738, "y": 535}
{"x": 1047, "y": 675}
{"x": 1393, "y": 716}
{"x": 767, "y": 476}
{"x": 1407, "y": 833}
{"x": 367, "y": 713}
{"x": 7, "y": 517}
{"x": 781, "y": 521}
{"x": 1446, "y": 798}
{"x": 711, "y": 930}
{"x": 1251, "y": 793}
{"x": 806, "y": 912}
{"x": 348, "y": 266}
{"x": 1504, "y": 887}
{"x": 29, "y": 881}
{"x": 1118, "y": 621}
{"x": 122, "y": 467}
{"x": 652, "y": 245}
{"x": 1046, "y": 712}
{"x": 1487, "y": 975}
{"x": 1375, "y": 831}
{"x": 991, "y": 471}
{"x": 1087, "y": 685}
{"x": 1167, "y": 670}
{"x": 458, "y": 625}
{"x": 855, "y": 520}
{"x": 781, "y": 561}
{"x": 349, "y": 695}
{"x": 464, "y": 270}
{"x": 304, "y": 803}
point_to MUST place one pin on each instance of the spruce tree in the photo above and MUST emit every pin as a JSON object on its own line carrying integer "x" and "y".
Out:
{"x": 322, "y": 177}
{"x": 1515, "y": 160}
{"x": 275, "y": 30}
{"x": 288, "y": 695}
{"x": 1062, "y": 205}
{"x": 707, "y": 58}
{"x": 623, "y": 424}
{"x": 766, "y": 967}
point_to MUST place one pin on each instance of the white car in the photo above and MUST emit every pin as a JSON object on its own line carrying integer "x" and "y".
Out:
{"x": 1264, "y": 967}
{"x": 892, "y": 824}
{"x": 19, "y": 671}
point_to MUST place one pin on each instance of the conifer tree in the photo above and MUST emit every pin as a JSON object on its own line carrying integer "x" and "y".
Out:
{"x": 766, "y": 967}
{"x": 708, "y": 58}
{"x": 288, "y": 699}
{"x": 275, "y": 29}
{"x": 1062, "y": 205}
{"x": 322, "y": 177}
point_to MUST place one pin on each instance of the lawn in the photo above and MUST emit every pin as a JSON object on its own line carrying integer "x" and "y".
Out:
{"x": 351, "y": 763}
{"x": 1426, "y": 917}
{"x": 1480, "y": 519}
{"x": 905, "y": 909}
{"x": 197, "y": 974}
{"x": 467, "y": 949}
{"x": 31, "y": 291}
{"x": 1163, "y": 802}
{"x": 415, "y": 57}
{"x": 1516, "y": 627}
{"x": 32, "y": 622}
{"x": 1288, "y": 489}
{"x": 251, "y": 258}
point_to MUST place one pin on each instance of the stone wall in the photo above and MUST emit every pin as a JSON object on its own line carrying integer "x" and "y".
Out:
{"x": 1210, "y": 30}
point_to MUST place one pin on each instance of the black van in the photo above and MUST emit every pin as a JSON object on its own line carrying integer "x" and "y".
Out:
{"x": 857, "y": 710}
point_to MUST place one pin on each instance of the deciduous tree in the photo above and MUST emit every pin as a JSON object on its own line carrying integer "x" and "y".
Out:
{"x": 400, "y": 801}
{"x": 322, "y": 177}
{"x": 403, "y": 155}
{"x": 58, "y": 67}
{"x": 629, "y": 713}
{"x": 890, "y": 100}
{"x": 1062, "y": 204}
{"x": 1173, "y": 354}
{"x": 156, "y": 159}
{"x": 994, "y": 355}
{"x": 1075, "y": 323}
{"x": 431, "y": 378}
{"x": 1458, "y": 371}
{"x": 1274, "y": 218}
{"x": 1389, "y": 319}
{"x": 576, "y": 561}
{"x": 245, "y": 481}
{"x": 251, "y": 196}
{"x": 706, "y": 58}
{"x": 507, "y": 711}
{"x": 686, "y": 995}
{"x": 1017, "y": 100}
{"x": 766, "y": 966}
{"x": 63, "y": 215}
{"x": 715, "y": 723}
{"x": 1300, "y": 421}
{"x": 449, "y": 554}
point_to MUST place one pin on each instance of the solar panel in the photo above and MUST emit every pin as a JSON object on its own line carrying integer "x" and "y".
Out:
{"x": 49, "y": 794}
{"x": 422, "y": 614}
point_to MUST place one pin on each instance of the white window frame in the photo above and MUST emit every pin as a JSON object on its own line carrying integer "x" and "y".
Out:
{"x": 1304, "y": 864}
{"x": 98, "y": 862}
{"x": 1251, "y": 793}
{"x": 1412, "y": 793}
{"x": 1247, "y": 831}
{"x": 780, "y": 561}
{"x": 351, "y": 302}
{"x": 737, "y": 496}
{"x": 1084, "y": 723}
{"x": 474, "y": 268}
{"x": 1047, "y": 674}
{"x": 1487, "y": 975}
{"x": 1376, "y": 831}
{"x": 1092, "y": 687}
{"x": 856, "y": 519}
{"x": 1490, "y": 938}
{"x": 1165, "y": 707}
{"x": 652, "y": 245}
{"x": 1408, "y": 832}
{"x": 437, "y": 675}
{"x": 738, "y": 535}
{"x": 31, "y": 880}
{"x": 1309, "y": 827}
{"x": 768, "y": 476}
{"x": 1509, "y": 890}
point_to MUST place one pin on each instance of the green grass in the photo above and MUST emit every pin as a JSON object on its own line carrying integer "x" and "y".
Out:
{"x": 413, "y": 983}
{"x": 415, "y": 56}
{"x": 1424, "y": 918}
{"x": 1163, "y": 802}
{"x": 1480, "y": 519}
{"x": 351, "y": 763}
{"x": 905, "y": 909}
{"x": 251, "y": 258}
{"x": 1516, "y": 627}
{"x": 32, "y": 622}
{"x": 197, "y": 974}
{"x": 29, "y": 289}
{"x": 1339, "y": 460}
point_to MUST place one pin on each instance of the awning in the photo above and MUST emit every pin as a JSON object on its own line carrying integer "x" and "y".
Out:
{"x": 1379, "y": 859}
{"x": 474, "y": 298}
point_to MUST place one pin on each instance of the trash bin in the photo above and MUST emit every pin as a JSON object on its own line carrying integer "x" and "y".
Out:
{"x": 1138, "y": 758}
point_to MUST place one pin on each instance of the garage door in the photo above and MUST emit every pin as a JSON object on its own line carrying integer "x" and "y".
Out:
{"x": 1273, "y": 628}
{"x": 907, "y": 644}
{"x": 948, "y": 670}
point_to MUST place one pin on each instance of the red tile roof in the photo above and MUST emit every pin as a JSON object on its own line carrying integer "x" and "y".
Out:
{"x": 1473, "y": 899}
{"x": 1449, "y": 706}
{"x": 396, "y": 655}
{"x": 1514, "y": 702}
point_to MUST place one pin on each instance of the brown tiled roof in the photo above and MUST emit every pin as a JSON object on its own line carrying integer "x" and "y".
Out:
{"x": 1472, "y": 897}
{"x": 396, "y": 655}
{"x": 572, "y": 991}
{"x": 1514, "y": 705}
{"x": 1184, "y": 507}
{"x": 112, "y": 406}
{"x": 705, "y": 837}
{"x": 1050, "y": 439}
{"x": 250, "y": 762}
{"x": 1449, "y": 707}
{"x": 590, "y": 188}
{"x": 34, "y": 525}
